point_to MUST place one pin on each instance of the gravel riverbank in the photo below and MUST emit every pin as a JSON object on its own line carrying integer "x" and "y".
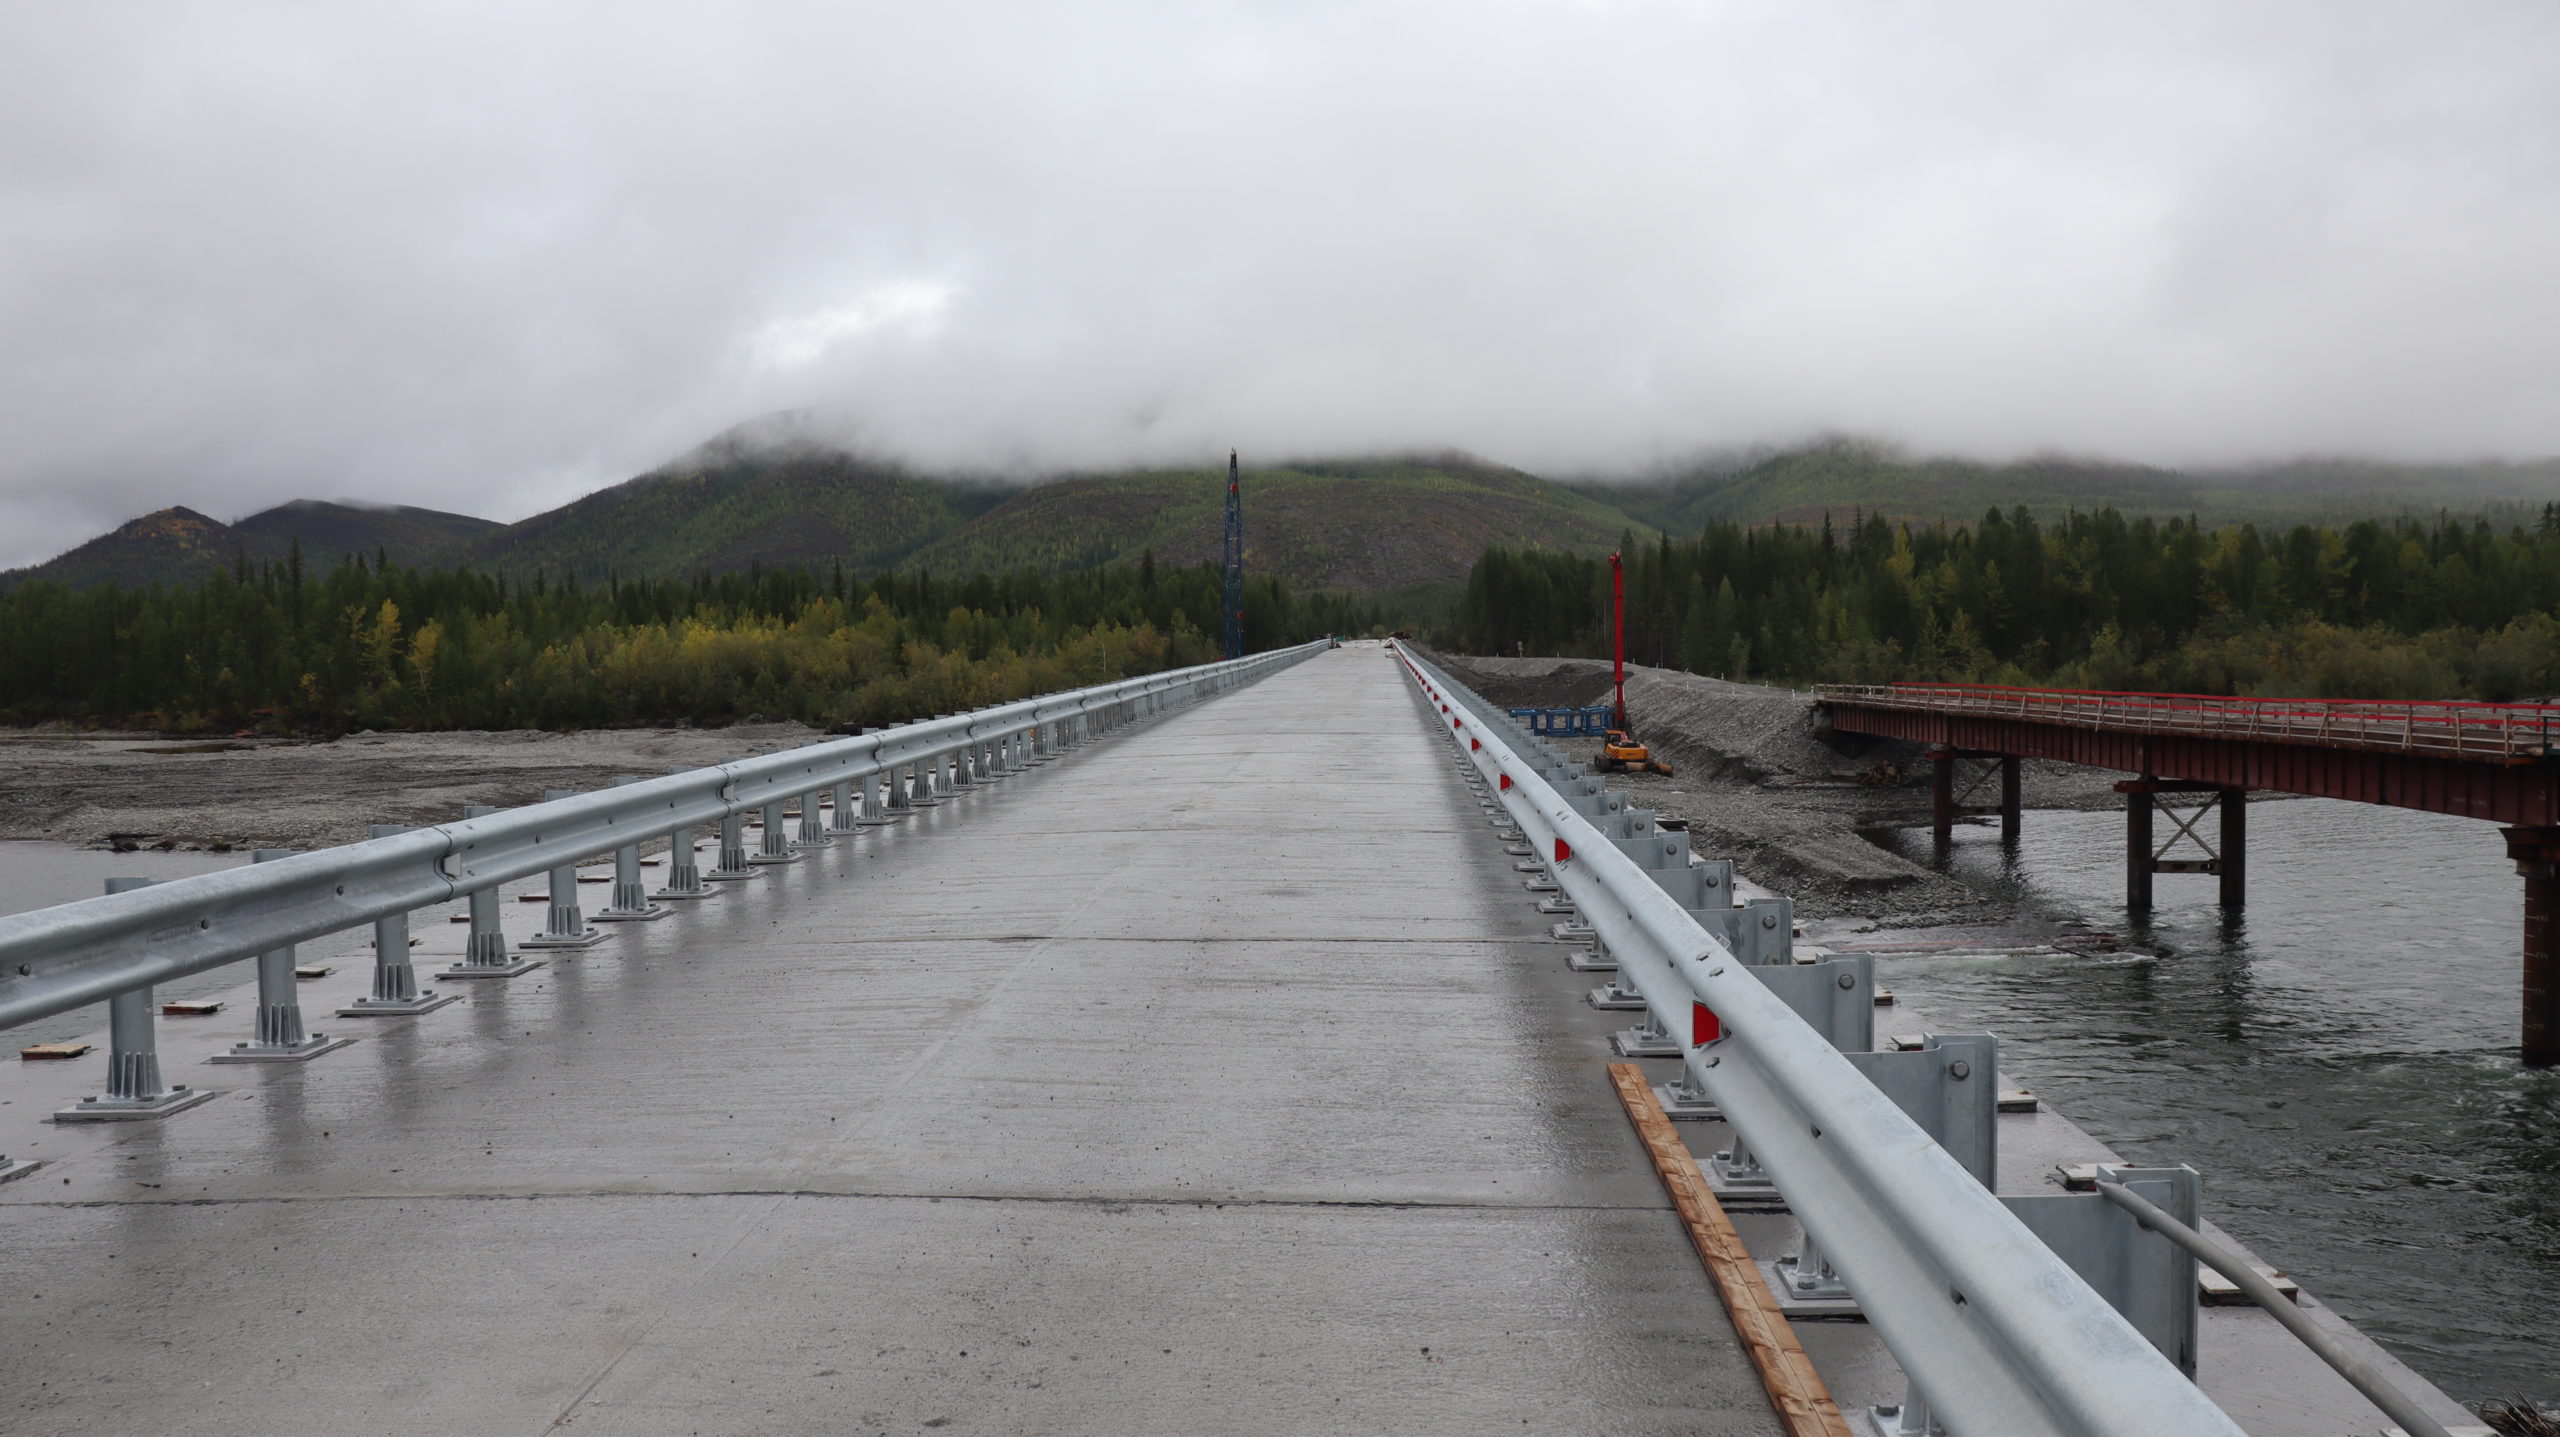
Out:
{"x": 1757, "y": 784}
{"x": 104, "y": 790}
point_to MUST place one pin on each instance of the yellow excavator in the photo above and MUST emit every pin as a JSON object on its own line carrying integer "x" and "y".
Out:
{"x": 1620, "y": 749}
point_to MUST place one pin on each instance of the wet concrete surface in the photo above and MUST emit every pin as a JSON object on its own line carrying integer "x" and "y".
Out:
{"x": 1211, "y": 1078}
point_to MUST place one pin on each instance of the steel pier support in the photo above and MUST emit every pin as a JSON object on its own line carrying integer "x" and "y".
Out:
{"x": 2137, "y": 849}
{"x": 2009, "y": 806}
{"x": 2536, "y": 852}
{"x": 2234, "y": 856}
{"x": 1942, "y": 795}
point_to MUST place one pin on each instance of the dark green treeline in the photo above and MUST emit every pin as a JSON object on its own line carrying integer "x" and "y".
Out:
{"x": 381, "y": 646}
{"x": 2374, "y": 609}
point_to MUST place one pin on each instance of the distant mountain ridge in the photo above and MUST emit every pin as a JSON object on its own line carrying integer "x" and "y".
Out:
{"x": 1350, "y": 524}
{"x": 1839, "y": 477}
{"x": 180, "y": 546}
{"x": 775, "y": 497}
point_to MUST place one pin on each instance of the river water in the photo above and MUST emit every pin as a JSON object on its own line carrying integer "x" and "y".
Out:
{"x": 2339, "y": 1063}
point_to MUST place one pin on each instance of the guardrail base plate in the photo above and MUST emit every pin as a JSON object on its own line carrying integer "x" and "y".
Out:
{"x": 12, "y": 1169}
{"x": 1797, "y": 1308}
{"x": 492, "y": 970}
{"x": 768, "y": 860}
{"x": 1637, "y": 1043}
{"x": 1590, "y": 960}
{"x": 373, "y": 1008}
{"x": 669, "y": 895}
{"x": 124, "y": 1110}
{"x": 1757, "y": 1193}
{"x": 302, "y": 1052}
{"x": 1679, "y": 1107}
{"x": 649, "y": 914}
{"x": 588, "y": 939}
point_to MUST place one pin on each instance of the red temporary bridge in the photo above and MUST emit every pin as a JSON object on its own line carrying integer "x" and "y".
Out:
{"x": 2492, "y": 761}
{"x": 2488, "y": 761}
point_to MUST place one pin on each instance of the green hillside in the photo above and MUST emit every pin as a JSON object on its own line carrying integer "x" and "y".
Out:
{"x": 1839, "y": 477}
{"x": 1356, "y": 524}
{"x": 726, "y": 514}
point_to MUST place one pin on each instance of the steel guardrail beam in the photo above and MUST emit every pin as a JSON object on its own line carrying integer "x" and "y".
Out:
{"x": 68, "y": 956}
{"x": 1994, "y": 1329}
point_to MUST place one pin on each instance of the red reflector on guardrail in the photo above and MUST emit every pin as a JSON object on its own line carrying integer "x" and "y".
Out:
{"x": 1473, "y": 745}
{"x": 1704, "y": 1026}
{"x": 1506, "y": 783}
{"x": 1564, "y": 851}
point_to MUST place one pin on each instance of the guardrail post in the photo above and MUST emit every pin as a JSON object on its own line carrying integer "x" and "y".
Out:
{"x": 774, "y": 841}
{"x": 2141, "y": 1273}
{"x": 843, "y": 820}
{"x": 684, "y": 870}
{"x": 733, "y": 866}
{"x": 134, "y": 1089}
{"x": 630, "y": 887}
{"x": 813, "y": 821}
{"x": 484, "y": 953}
{"x": 566, "y": 926}
{"x": 395, "y": 981}
{"x": 280, "y": 1038}
{"x": 920, "y": 786}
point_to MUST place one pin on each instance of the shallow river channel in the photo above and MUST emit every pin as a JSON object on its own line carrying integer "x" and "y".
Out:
{"x": 2340, "y": 1063}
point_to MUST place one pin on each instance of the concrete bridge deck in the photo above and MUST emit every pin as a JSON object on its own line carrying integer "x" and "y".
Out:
{"x": 1209, "y": 1079}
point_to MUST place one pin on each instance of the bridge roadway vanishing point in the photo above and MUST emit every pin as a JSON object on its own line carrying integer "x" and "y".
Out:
{"x": 1211, "y": 1079}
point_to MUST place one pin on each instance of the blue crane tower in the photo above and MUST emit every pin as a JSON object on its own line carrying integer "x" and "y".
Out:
{"x": 1235, "y": 562}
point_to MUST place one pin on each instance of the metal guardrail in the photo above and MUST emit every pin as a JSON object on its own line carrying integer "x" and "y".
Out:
{"x": 74, "y": 954}
{"x": 1998, "y": 1333}
{"x": 2444, "y": 728}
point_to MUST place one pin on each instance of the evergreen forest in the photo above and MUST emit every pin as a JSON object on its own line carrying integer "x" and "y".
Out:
{"x": 2374, "y": 609}
{"x": 280, "y": 647}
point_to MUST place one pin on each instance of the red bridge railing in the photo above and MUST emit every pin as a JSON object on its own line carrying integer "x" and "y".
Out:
{"x": 2443, "y": 728}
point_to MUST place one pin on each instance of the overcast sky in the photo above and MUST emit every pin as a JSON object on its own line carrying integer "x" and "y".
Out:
{"x": 487, "y": 257}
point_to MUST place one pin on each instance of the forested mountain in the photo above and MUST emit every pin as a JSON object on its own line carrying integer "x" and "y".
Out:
{"x": 1363, "y": 525}
{"x": 774, "y": 496}
{"x": 179, "y": 545}
{"x": 1366, "y": 525}
{"x": 793, "y": 507}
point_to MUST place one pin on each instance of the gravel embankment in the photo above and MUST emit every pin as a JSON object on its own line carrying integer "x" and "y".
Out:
{"x": 1759, "y": 786}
